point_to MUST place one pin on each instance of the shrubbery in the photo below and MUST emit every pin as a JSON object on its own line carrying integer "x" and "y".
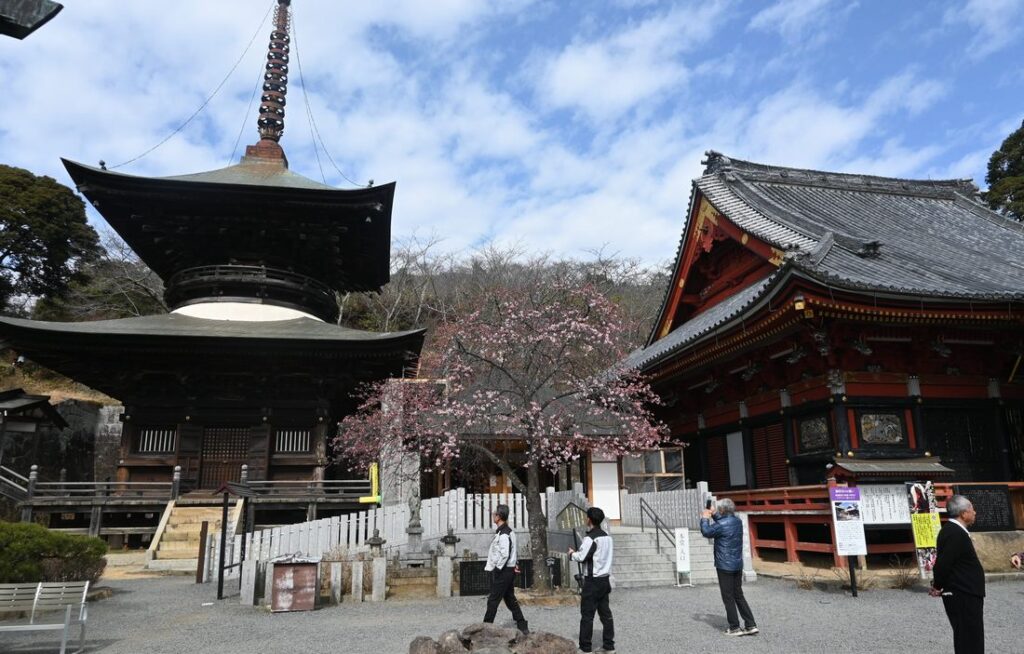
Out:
{"x": 32, "y": 553}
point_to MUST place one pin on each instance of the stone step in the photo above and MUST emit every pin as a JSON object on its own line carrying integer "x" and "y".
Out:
{"x": 180, "y": 536}
{"x": 641, "y": 567}
{"x": 642, "y": 560}
{"x": 174, "y": 554}
{"x": 644, "y": 584}
{"x": 174, "y": 566}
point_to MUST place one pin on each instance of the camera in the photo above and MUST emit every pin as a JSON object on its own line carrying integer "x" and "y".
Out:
{"x": 707, "y": 504}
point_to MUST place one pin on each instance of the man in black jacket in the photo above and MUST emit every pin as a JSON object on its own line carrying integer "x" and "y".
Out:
{"x": 959, "y": 578}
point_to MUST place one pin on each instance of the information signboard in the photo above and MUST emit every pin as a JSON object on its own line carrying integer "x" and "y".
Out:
{"x": 849, "y": 523}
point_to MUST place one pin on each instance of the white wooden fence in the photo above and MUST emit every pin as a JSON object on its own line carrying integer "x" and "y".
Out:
{"x": 465, "y": 513}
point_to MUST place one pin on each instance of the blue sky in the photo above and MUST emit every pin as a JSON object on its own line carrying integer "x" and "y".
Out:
{"x": 559, "y": 126}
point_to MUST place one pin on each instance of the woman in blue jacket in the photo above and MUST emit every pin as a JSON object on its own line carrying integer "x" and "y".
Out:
{"x": 727, "y": 530}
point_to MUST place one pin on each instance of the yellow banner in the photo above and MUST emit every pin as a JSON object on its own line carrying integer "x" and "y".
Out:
{"x": 926, "y": 529}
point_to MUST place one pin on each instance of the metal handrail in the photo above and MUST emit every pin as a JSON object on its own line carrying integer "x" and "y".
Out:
{"x": 13, "y": 473}
{"x": 659, "y": 525}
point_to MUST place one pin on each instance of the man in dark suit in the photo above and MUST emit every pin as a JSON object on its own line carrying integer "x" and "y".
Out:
{"x": 959, "y": 579}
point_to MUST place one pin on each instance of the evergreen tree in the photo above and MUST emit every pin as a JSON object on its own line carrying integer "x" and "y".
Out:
{"x": 1006, "y": 176}
{"x": 44, "y": 237}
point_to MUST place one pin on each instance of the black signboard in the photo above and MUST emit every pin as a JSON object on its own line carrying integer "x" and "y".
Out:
{"x": 992, "y": 504}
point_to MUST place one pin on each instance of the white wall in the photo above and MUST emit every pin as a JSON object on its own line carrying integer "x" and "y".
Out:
{"x": 241, "y": 311}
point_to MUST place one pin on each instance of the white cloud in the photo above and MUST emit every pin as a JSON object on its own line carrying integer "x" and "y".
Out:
{"x": 471, "y": 106}
{"x": 606, "y": 77}
{"x": 996, "y": 24}
{"x": 793, "y": 19}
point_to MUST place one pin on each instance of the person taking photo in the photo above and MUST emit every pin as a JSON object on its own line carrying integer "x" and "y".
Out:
{"x": 727, "y": 530}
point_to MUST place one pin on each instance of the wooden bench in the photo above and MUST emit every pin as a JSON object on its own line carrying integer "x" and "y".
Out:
{"x": 35, "y": 599}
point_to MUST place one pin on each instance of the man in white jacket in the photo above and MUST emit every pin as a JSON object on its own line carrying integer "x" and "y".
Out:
{"x": 502, "y": 560}
{"x": 596, "y": 556}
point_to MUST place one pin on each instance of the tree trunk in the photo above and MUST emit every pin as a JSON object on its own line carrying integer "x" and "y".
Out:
{"x": 538, "y": 524}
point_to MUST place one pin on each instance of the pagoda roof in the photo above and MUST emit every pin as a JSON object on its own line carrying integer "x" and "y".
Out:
{"x": 175, "y": 325}
{"x": 255, "y": 172}
{"x": 880, "y": 234}
{"x": 256, "y": 212}
{"x": 110, "y": 355}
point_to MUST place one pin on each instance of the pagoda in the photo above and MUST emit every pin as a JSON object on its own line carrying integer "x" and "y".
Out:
{"x": 249, "y": 367}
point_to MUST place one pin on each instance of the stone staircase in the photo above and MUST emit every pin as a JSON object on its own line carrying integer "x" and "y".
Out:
{"x": 176, "y": 547}
{"x": 637, "y": 563}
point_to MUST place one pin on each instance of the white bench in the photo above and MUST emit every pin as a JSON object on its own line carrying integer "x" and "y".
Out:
{"x": 35, "y": 599}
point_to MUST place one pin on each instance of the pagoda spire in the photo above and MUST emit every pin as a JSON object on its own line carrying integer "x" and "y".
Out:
{"x": 275, "y": 87}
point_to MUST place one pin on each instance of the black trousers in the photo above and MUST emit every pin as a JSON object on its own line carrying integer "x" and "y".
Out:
{"x": 595, "y": 599}
{"x": 503, "y": 587}
{"x": 966, "y": 615}
{"x": 731, "y": 585}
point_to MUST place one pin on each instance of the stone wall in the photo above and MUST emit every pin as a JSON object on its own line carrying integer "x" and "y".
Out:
{"x": 995, "y": 547}
{"x": 107, "y": 454}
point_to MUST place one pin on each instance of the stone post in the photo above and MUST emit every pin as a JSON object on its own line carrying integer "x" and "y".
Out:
{"x": 33, "y": 477}
{"x": 446, "y": 565}
{"x": 336, "y": 574}
{"x": 176, "y": 483}
{"x": 247, "y": 582}
{"x": 378, "y": 588}
{"x": 357, "y": 581}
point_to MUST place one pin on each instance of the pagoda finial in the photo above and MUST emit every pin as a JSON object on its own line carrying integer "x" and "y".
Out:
{"x": 275, "y": 80}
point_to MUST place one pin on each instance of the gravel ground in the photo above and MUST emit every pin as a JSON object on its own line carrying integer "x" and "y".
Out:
{"x": 166, "y": 615}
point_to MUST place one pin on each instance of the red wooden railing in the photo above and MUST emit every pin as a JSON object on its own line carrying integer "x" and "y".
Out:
{"x": 806, "y": 505}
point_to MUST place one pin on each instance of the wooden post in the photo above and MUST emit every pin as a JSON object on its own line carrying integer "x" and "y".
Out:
{"x": 33, "y": 476}
{"x": 791, "y": 539}
{"x": 223, "y": 547}
{"x": 96, "y": 520}
{"x": 201, "y": 563}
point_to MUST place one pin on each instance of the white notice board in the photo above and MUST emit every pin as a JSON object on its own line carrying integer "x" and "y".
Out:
{"x": 884, "y": 504}
{"x": 683, "y": 550}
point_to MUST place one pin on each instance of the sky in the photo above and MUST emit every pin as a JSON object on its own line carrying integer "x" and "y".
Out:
{"x": 558, "y": 127}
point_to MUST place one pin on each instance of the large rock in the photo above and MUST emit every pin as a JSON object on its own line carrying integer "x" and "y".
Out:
{"x": 482, "y": 635}
{"x": 423, "y": 645}
{"x": 545, "y": 643}
{"x": 450, "y": 642}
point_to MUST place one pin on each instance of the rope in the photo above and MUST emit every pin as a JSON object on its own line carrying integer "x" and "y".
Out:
{"x": 207, "y": 100}
{"x": 245, "y": 118}
{"x": 314, "y": 130}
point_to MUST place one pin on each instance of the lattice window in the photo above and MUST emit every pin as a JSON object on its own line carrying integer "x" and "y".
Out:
{"x": 291, "y": 441}
{"x": 156, "y": 440}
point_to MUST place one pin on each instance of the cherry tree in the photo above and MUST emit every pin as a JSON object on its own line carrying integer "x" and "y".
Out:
{"x": 532, "y": 371}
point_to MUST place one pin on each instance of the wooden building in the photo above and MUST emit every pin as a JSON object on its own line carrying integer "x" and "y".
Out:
{"x": 249, "y": 367}
{"x": 817, "y": 317}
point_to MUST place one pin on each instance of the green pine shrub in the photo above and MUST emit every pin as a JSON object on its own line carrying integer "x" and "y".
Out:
{"x": 32, "y": 553}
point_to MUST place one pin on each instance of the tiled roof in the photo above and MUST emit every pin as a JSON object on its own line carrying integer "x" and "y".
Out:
{"x": 703, "y": 323}
{"x": 909, "y": 237}
{"x": 913, "y": 238}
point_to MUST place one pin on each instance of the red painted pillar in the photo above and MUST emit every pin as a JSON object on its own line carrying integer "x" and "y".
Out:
{"x": 791, "y": 540}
